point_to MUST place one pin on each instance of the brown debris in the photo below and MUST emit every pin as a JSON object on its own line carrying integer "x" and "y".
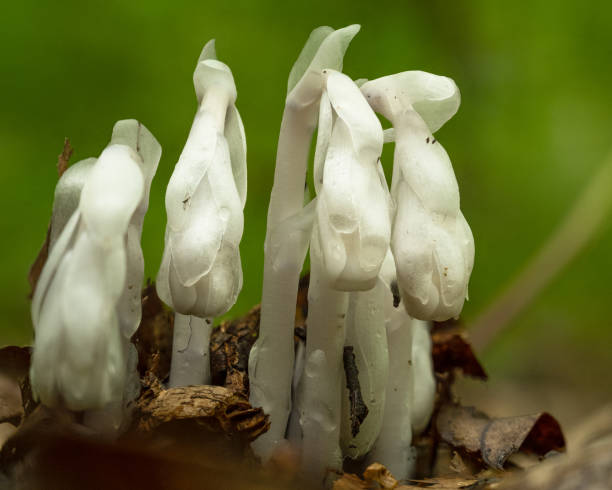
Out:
{"x": 452, "y": 351}
{"x": 64, "y": 157}
{"x": 16, "y": 398}
{"x": 377, "y": 477}
{"x": 230, "y": 345}
{"x": 212, "y": 408}
{"x": 357, "y": 407}
{"x": 495, "y": 440}
{"x": 153, "y": 339}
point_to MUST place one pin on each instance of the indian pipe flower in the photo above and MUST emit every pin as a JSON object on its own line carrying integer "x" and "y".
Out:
{"x": 353, "y": 209}
{"x": 201, "y": 274}
{"x": 80, "y": 354}
{"x": 432, "y": 243}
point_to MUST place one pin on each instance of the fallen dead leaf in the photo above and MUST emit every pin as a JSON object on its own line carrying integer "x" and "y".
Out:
{"x": 494, "y": 440}
{"x": 452, "y": 351}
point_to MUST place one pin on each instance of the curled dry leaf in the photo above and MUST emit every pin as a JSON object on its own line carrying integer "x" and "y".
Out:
{"x": 452, "y": 351}
{"x": 495, "y": 440}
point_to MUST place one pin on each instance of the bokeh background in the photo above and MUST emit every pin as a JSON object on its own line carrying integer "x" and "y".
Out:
{"x": 534, "y": 127}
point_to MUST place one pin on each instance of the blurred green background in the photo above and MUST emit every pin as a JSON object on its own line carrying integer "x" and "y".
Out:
{"x": 534, "y": 126}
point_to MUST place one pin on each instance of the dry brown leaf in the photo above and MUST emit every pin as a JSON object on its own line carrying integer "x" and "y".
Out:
{"x": 452, "y": 351}
{"x": 494, "y": 440}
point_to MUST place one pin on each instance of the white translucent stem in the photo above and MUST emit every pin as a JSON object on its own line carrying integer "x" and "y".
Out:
{"x": 321, "y": 407}
{"x": 424, "y": 389}
{"x": 272, "y": 357}
{"x": 190, "y": 351}
{"x": 365, "y": 332}
{"x": 393, "y": 446}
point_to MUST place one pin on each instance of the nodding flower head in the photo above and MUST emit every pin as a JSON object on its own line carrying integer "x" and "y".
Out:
{"x": 201, "y": 273}
{"x": 352, "y": 225}
{"x": 432, "y": 243}
{"x": 79, "y": 352}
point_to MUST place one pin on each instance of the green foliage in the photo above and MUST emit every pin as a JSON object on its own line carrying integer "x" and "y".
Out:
{"x": 534, "y": 123}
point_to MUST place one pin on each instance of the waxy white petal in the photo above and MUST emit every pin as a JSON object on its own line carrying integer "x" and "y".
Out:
{"x": 351, "y": 106}
{"x": 435, "y": 98}
{"x": 236, "y": 140}
{"x": 330, "y": 54}
{"x": 112, "y": 193}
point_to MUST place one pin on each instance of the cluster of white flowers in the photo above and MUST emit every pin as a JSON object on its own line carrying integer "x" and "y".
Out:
{"x": 365, "y": 242}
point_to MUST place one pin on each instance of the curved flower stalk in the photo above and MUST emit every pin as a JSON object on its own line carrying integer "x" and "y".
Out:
{"x": 424, "y": 383}
{"x": 393, "y": 447}
{"x": 320, "y": 407}
{"x": 79, "y": 356}
{"x": 272, "y": 357}
{"x": 201, "y": 275}
{"x": 432, "y": 243}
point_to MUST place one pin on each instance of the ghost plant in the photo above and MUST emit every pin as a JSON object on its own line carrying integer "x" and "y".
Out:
{"x": 200, "y": 275}
{"x": 432, "y": 243}
{"x": 81, "y": 306}
{"x": 289, "y": 224}
{"x": 350, "y": 237}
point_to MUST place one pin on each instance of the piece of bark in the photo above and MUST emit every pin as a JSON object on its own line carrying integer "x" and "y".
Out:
{"x": 153, "y": 339}
{"x": 452, "y": 351}
{"x": 495, "y": 440}
{"x": 211, "y": 408}
{"x": 357, "y": 408}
